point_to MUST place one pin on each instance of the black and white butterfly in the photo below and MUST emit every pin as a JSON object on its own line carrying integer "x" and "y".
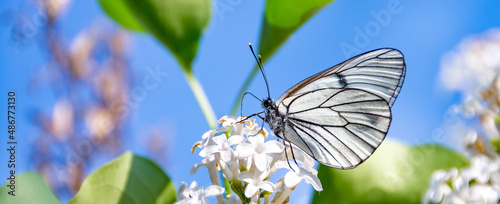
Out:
{"x": 341, "y": 115}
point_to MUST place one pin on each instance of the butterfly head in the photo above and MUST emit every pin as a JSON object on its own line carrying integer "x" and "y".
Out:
{"x": 268, "y": 103}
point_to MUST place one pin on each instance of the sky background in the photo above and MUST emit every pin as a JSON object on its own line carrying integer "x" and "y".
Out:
{"x": 423, "y": 30}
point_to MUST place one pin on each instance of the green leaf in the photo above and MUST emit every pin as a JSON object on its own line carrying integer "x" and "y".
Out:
{"x": 127, "y": 179}
{"x": 395, "y": 173}
{"x": 120, "y": 12}
{"x": 282, "y": 18}
{"x": 178, "y": 24}
{"x": 29, "y": 188}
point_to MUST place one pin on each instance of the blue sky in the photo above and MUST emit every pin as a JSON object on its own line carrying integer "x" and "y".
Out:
{"x": 422, "y": 30}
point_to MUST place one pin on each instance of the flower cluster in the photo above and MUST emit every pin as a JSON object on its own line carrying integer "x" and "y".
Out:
{"x": 477, "y": 60}
{"x": 474, "y": 64}
{"x": 247, "y": 161}
{"x": 477, "y": 183}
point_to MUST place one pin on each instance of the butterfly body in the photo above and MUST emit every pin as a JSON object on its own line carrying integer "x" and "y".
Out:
{"x": 275, "y": 120}
{"x": 341, "y": 115}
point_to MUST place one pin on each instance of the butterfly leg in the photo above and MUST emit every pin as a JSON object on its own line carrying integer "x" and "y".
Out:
{"x": 293, "y": 156}
{"x": 247, "y": 117}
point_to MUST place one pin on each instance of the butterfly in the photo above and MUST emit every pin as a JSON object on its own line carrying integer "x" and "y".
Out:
{"x": 341, "y": 115}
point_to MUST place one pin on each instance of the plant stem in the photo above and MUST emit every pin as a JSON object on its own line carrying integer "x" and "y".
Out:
{"x": 202, "y": 99}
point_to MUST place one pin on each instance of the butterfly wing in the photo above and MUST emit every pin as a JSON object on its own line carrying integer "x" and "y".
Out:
{"x": 338, "y": 127}
{"x": 341, "y": 115}
{"x": 380, "y": 72}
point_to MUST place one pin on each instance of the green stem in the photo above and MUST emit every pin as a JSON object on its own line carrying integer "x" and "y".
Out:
{"x": 243, "y": 89}
{"x": 202, "y": 99}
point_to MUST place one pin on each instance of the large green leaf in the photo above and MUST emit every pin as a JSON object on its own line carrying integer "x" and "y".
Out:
{"x": 29, "y": 188}
{"x": 178, "y": 24}
{"x": 396, "y": 173}
{"x": 282, "y": 18}
{"x": 120, "y": 12}
{"x": 127, "y": 179}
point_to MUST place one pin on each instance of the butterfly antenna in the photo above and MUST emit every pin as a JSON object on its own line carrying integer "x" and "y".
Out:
{"x": 261, "y": 68}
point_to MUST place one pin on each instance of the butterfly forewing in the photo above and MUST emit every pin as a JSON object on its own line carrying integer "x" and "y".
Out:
{"x": 380, "y": 72}
{"x": 341, "y": 115}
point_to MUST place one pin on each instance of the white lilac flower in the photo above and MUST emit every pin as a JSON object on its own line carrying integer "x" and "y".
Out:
{"x": 477, "y": 61}
{"x": 195, "y": 194}
{"x": 259, "y": 151}
{"x": 222, "y": 145}
{"x": 232, "y": 199}
{"x": 477, "y": 183}
{"x": 211, "y": 164}
{"x": 474, "y": 64}
{"x": 293, "y": 178}
{"x": 483, "y": 194}
{"x": 439, "y": 185}
{"x": 255, "y": 182}
{"x": 239, "y": 149}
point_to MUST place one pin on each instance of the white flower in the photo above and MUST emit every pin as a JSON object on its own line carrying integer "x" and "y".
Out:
{"x": 474, "y": 64}
{"x": 232, "y": 199}
{"x": 453, "y": 198}
{"x": 293, "y": 178}
{"x": 439, "y": 187}
{"x": 247, "y": 161}
{"x": 480, "y": 168}
{"x": 211, "y": 164}
{"x": 474, "y": 69}
{"x": 255, "y": 182}
{"x": 258, "y": 150}
{"x": 62, "y": 119}
{"x": 483, "y": 194}
{"x": 222, "y": 145}
{"x": 195, "y": 194}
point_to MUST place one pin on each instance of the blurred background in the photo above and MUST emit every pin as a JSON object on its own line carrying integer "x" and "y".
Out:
{"x": 68, "y": 62}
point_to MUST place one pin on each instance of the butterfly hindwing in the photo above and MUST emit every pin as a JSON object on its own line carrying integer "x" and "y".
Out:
{"x": 341, "y": 129}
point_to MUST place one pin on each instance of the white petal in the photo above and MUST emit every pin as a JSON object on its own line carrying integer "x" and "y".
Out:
{"x": 244, "y": 150}
{"x": 268, "y": 186}
{"x": 187, "y": 201}
{"x": 209, "y": 150}
{"x": 221, "y": 139}
{"x": 453, "y": 198}
{"x": 195, "y": 168}
{"x": 273, "y": 147}
{"x": 193, "y": 185}
{"x": 262, "y": 161}
{"x": 222, "y": 129}
{"x": 291, "y": 179}
{"x": 208, "y": 134}
{"x": 181, "y": 193}
{"x": 311, "y": 179}
{"x": 246, "y": 177}
{"x": 227, "y": 155}
{"x": 233, "y": 199}
{"x": 250, "y": 190}
{"x": 213, "y": 190}
{"x": 235, "y": 139}
{"x": 257, "y": 140}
